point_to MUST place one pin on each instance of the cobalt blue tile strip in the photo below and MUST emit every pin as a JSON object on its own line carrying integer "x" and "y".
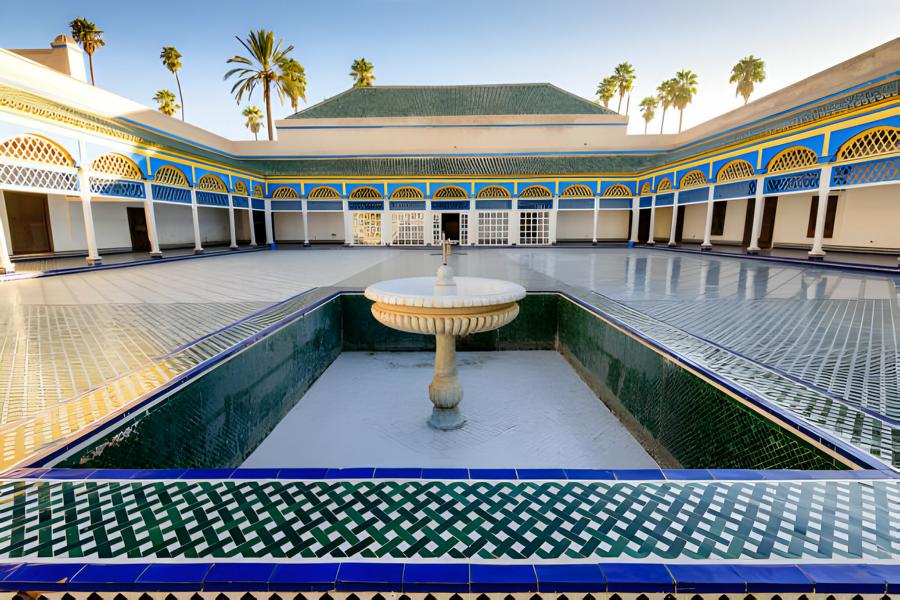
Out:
{"x": 684, "y": 578}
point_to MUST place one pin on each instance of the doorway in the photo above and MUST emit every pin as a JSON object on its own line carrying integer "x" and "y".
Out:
{"x": 29, "y": 223}
{"x": 644, "y": 226}
{"x": 259, "y": 226}
{"x": 137, "y": 227}
{"x": 679, "y": 224}
{"x": 767, "y": 227}
{"x": 450, "y": 226}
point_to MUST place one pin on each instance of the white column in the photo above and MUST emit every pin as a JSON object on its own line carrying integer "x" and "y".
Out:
{"x": 252, "y": 224}
{"x": 428, "y": 233}
{"x": 93, "y": 258}
{"x": 650, "y": 240}
{"x": 596, "y": 221}
{"x": 270, "y": 234}
{"x": 348, "y": 226}
{"x": 6, "y": 264}
{"x": 554, "y": 210}
{"x": 195, "y": 217}
{"x": 758, "y": 205}
{"x": 306, "y": 222}
{"x": 635, "y": 219}
{"x": 150, "y": 214}
{"x": 707, "y": 232}
{"x": 473, "y": 226}
{"x": 386, "y": 227}
{"x": 674, "y": 220}
{"x": 817, "y": 252}
{"x": 514, "y": 228}
{"x": 231, "y": 230}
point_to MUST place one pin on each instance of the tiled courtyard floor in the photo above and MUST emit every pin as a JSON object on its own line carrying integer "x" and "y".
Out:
{"x": 821, "y": 343}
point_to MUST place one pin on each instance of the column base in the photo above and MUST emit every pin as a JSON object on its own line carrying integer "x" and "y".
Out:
{"x": 272, "y": 246}
{"x": 650, "y": 243}
{"x": 94, "y": 262}
{"x": 817, "y": 256}
{"x": 254, "y": 245}
{"x": 11, "y": 270}
{"x": 233, "y": 248}
{"x": 594, "y": 243}
{"x": 446, "y": 419}
{"x": 306, "y": 244}
{"x": 156, "y": 255}
{"x": 753, "y": 251}
{"x": 198, "y": 250}
{"x": 671, "y": 244}
{"x": 705, "y": 247}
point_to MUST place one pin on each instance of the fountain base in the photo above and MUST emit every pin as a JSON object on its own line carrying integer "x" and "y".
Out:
{"x": 446, "y": 419}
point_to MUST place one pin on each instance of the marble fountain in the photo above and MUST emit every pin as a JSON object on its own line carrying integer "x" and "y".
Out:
{"x": 445, "y": 306}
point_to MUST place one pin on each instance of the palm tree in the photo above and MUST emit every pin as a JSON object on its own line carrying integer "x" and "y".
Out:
{"x": 254, "y": 118}
{"x": 361, "y": 72}
{"x": 624, "y": 77}
{"x": 648, "y": 110}
{"x": 171, "y": 59}
{"x": 262, "y": 68}
{"x": 665, "y": 92}
{"x": 293, "y": 77}
{"x": 166, "y": 101}
{"x": 745, "y": 73}
{"x": 606, "y": 89}
{"x": 89, "y": 37}
{"x": 685, "y": 88}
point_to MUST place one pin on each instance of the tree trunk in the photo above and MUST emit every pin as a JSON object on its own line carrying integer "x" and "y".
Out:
{"x": 645, "y": 126}
{"x": 180, "y": 96}
{"x": 268, "y": 110}
{"x": 91, "y": 66}
{"x": 663, "y": 121}
{"x": 680, "y": 117}
{"x": 628, "y": 104}
{"x": 619, "y": 107}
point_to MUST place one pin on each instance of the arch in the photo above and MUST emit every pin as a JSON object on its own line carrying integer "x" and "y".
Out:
{"x": 324, "y": 192}
{"x": 735, "y": 170}
{"x": 536, "y": 191}
{"x": 169, "y": 175}
{"x": 285, "y": 192}
{"x": 493, "y": 191}
{"x": 116, "y": 165}
{"x": 365, "y": 193}
{"x": 664, "y": 185}
{"x": 34, "y": 148}
{"x": 240, "y": 187}
{"x": 211, "y": 183}
{"x": 646, "y": 188}
{"x": 692, "y": 179}
{"x": 257, "y": 191}
{"x": 407, "y": 193}
{"x": 871, "y": 142}
{"x": 577, "y": 190}
{"x": 795, "y": 157}
{"x": 450, "y": 192}
{"x": 617, "y": 190}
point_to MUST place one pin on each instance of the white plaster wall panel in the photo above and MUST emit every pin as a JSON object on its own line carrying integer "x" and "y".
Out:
{"x": 174, "y": 224}
{"x": 111, "y": 223}
{"x": 735, "y": 215}
{"x": 868, "y": 217}
{"x": 792, "y": 219}
{"x": 613, "y": 224}
{"x": 214, "y": 227}
{"x": 694, "y": 222}
{"x": 662, "y": 224}
{"x": 288, "y": 226}
{"x": 66, "y": 224}
{"x": 326, "y": 227}
{"x": 242, "y": 224}
{"x": 575, "y": 225}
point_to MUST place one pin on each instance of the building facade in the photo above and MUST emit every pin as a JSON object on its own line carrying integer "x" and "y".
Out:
{"x": 82, "y": 171}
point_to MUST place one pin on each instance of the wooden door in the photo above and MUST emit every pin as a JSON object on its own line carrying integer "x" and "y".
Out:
{"x": 29, "y": 223}
{"x": 679, "y": 224}
{"x": 644, "y": 225}
{"x": 137, "y": 227}
{"x": 767, "y": 229}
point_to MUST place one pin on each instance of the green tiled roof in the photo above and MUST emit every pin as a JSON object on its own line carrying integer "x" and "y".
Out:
{"x": 452, "y": 100}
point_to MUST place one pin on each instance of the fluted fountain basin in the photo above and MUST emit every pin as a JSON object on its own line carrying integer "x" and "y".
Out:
{"x": 445, "y": 307}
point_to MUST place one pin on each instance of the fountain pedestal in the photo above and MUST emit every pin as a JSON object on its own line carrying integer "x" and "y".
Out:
{"x": 445, "y": 307}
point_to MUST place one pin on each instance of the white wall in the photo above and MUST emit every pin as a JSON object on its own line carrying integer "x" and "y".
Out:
{"x": 792, "y": 219}
{"x": 67, "y": 224}
{"x": 735, "y": 216}
{"x": 868, "y": 217}
{"x": 287, "y": 226}
{"x": 694, "y": 222}
{"x": 574, "y": 225}
{"x": 613, "y": 224}
{"x": 111, "y": 223}
{"x": 326, "y": 226}
{"x": 242, "y": 224}
{"x": 662, "y": 224}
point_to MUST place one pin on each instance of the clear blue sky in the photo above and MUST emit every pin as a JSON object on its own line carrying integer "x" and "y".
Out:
{"x": 569, "y": 43}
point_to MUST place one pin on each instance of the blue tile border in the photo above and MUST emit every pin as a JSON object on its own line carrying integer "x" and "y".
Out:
{"x": 460, "y": 577}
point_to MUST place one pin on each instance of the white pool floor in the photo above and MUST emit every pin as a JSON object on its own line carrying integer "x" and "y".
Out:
{"x": 524, "y": 410}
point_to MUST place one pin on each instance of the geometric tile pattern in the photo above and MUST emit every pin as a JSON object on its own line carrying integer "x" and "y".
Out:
{"x": 45, "y": 179}
{"x": 30, "y": 148}
{"x": 806, "y": 180}
{"x": 871, "y": 142}
{"x": 117, "y": 187}
{"x": 796, "y": 157}
{"x": 873, "y": 171}
{"x": 451, "y": 520}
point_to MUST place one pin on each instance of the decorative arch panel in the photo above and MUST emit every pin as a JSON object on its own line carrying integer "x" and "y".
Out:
{"x": 536, "y": 191}
{"x": 169, "y": 175}
{"x": 664, "y": 185}
{"x": 735, "y": 170}
{"x": 790, "y": 159}
{"x": 324, "y": 192}
{"x": 240, "y": 188}
{"x": 646, "y": 188}
{"x": 493, "y": 191}
{"x": 212, "y": 183}
{"x": 285, "y": 193}
{"x": 871, "y": 142}
{"x": 365, "y": 192}
{"x": 33, "y": 148}
{"x": 692, "y": 179}
{"x": 407, "y": 193}
{"x": 617, "y": 190}
{"x": 453, "y": 192}
{"x": 577, "y": 190}
{"x": 116, "y": 165}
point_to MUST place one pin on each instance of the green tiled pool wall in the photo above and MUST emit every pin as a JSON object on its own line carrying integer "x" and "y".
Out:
{"x": 699, "y": 425}
{"x": 218, "y": 419}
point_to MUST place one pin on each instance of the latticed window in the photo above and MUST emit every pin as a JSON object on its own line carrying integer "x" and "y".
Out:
{"x": 693, "y": 179}
{"x": 323, "y": 192}
{"x": 617, "y": 191}
{"x": 116, "y": 165}
{"x": 211, "y": 183}
{"x": 365, "y": 193}
{"x": 169, "y": 175}
{"x": 797, "y": 157}
{"x": 407, "y": 193}
{"x": 452, "y": 192}
{"x": 493, "y": 228}
{"x": 872, "y": 142}
{"x": 493, "y": 191}
{"x": 285, "y": 193}
{"x": 664, "y": 185}
{"x": 31, "y": 148}
{"x": 408, "y": 228}
{"x": 736, "y": 170}
{"x": 257, "y": 191}
{"x": 367, "y": 228}
{"x": 535, "y": 191}
{"x": 646, "y": 189}
{"x": 577, "y": 191}
{"x": 534, "y": 227}
{"x": 240, "y": 188}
